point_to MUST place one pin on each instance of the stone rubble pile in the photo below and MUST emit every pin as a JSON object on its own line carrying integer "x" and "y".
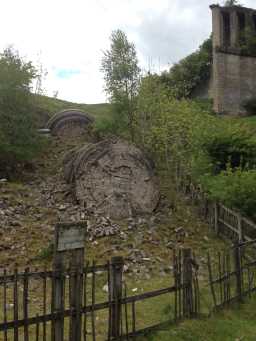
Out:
{"x": 102, "y": 227}
{"x": 10, "y": 214}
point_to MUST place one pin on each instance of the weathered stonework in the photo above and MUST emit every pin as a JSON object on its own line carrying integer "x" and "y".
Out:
{"x": 234, "y": 73}
{"x": 69, "y": 123}
{"x": 112, "y": 178}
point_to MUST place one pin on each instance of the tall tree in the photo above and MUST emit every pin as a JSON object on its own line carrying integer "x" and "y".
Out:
{"x": 121, "y": 75}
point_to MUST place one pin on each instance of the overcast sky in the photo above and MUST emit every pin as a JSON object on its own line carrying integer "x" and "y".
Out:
{"x": 68, "y": 36}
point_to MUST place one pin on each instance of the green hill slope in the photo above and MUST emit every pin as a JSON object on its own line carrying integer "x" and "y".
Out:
{"x": 45, "y": 107}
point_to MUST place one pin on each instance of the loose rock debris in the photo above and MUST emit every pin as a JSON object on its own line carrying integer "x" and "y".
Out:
{"x": 102, "y": 227}
{"x": 112, "y": 178}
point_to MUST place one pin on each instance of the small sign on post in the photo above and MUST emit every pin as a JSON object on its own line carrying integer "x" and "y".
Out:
{"x": 69, "y": 237}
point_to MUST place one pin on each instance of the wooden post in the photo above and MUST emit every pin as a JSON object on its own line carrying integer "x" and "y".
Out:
{"x": 216, "y": 218}
{"x": 240, "y": 228}
{"x": 238, "y": 269}
{"x": 68, "y": 237}
{"x": 187, "y": 283}
{"x": 211, "y": 280}
{"x": 58, "y": 293}
{"x": 76, "y": 293}
{"x": 116, "y": 275}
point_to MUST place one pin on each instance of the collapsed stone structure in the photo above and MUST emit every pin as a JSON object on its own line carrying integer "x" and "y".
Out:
{"x": 234, "y": 70}
{"x": 112, "y": 178}
{"x": 71, "y": 122}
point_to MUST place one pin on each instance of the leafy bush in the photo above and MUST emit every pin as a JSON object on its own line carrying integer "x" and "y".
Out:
{"x": 216, "y": 152}
{"x": 191, "y": 71}
{"x": 232, "y": 145}
{"x": 248, "y": 41}
{"x": 113, "y": 123}
{"x": 250, "y": 106}
{"x": 18, "y": 137}
{"x": 236, "y": 189}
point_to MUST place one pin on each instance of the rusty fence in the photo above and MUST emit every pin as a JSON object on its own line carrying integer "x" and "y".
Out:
{"x": 92, "y": 304}
{"x": 232, "y": 273}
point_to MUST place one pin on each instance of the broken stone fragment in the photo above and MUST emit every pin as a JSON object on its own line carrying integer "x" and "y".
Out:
{"x": 108, "y": 178}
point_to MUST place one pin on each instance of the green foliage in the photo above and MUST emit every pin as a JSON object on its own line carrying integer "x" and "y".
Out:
{"x": 46, "y": 253}
{"x": 230, "y": 145}
{"x": 121, "y": 75}
{"x": 168, "y": 126}
{"x": 229, "y": 3}
{"x": 250, "y": 106}
{"x": 206, "y": 146}
{"x": 111, "y": 124}
{"x": 191, "y": 71}
{"x": 248, "y": 41}
{"x": 18, "y": 138}
{"x": 235, "y": 188}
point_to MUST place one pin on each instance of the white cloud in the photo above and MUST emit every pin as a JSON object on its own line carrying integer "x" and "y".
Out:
{"x": 70, "y": 35}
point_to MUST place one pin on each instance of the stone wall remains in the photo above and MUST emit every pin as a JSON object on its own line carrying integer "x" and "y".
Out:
{"x": 234, "y": 72}
{"x": 234, "y": 82}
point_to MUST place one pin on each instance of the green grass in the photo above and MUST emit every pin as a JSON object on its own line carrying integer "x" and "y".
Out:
{"x": 234, "y": 324}
{"x": 45, "y": 107}
{"x": 250, "y": 121}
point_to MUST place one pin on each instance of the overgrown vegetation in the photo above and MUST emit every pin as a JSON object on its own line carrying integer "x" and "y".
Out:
{"x": 250, "y": 106}
{"x": 19, "y": 141}
{"x": 185, "y": 76}
{"x": 217, "y": 153}
{"x": 248, "y": 41}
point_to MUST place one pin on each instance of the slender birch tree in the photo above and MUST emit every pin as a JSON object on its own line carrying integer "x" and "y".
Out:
{"x": 121, "y": 75}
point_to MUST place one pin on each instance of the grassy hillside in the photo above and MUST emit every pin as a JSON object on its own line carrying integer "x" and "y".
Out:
{"x": 45, "y": 107}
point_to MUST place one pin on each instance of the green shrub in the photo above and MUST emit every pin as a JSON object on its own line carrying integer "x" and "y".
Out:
{"x": 248, "y": 41}
{"x": 232, "y": 146}
{"x": 19, "y": 140}
{"x": 184, "y": 76}
{"x": 236, "y": 189}
{"x": 250, "y": 106}
{"x": 218, "y": 153}
{"x": 113, "y": 123}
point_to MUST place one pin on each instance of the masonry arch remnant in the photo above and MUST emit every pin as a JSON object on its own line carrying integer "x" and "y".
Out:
{"x": 69, "y": 122}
